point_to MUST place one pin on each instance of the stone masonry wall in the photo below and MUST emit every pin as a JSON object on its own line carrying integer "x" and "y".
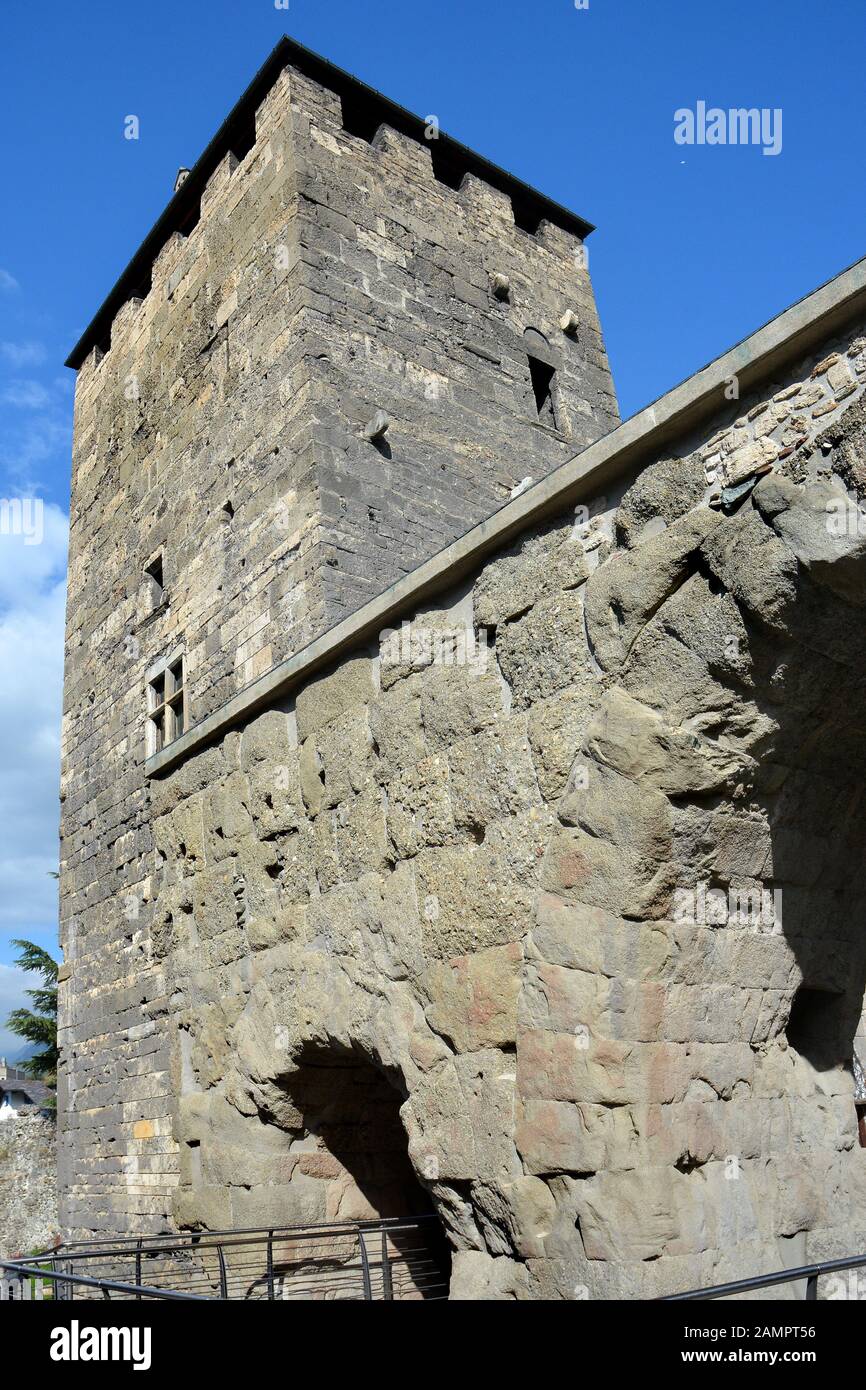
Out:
{"x": 220, "y": 428}
{"x": 586, "y": 895}
{"x": 28, "y": 1184}
{"x": 403, "y": 317}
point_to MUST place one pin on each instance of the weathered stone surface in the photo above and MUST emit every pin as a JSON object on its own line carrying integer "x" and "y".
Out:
{"x": 492, "y": 776}
{"x": 756, "y": 568}
{"x": 636, "y": 742}
{"x": 556, "y": 731}
{"x": 327, "y": 697}
{"x": 268, "y": 739}
{"x": 630, "y": 1216}
{"x": 517, "y": 1215}
{"x": 661, "y": 493}
{"x": 420, "y": 810}
{"x": 814, "y": 522}
{"x": 28, "y": 1184}
{"x": 538, "y": 566}
{"x": 460, "y": 700}
{"x": 623, "y": 595}
{"x": 477, "y": 1275}
{"x": 615, "y": 852}
{"x": 545, "y": 651}
{"x": 474, "y": 998}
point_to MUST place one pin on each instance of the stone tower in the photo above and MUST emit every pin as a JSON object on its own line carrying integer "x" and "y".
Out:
{"x": 344, "y": 343}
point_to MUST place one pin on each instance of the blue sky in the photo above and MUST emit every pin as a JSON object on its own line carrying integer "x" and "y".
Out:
{"x": 696, "y": 246}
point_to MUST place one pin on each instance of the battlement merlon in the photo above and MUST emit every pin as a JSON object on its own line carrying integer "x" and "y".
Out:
{"x": 362, "y": 111}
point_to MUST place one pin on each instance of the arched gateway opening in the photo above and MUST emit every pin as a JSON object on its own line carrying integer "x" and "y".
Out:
{"x": 343, "y": 1115}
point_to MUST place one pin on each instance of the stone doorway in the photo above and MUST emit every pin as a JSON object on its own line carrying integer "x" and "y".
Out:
{"x": 344, "y": 1117}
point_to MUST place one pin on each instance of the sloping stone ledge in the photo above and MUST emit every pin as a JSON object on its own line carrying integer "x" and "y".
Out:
{"x": 781, "y": 341}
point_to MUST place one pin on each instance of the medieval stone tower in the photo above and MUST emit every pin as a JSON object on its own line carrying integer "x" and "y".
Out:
{"x": 359, "y": 923}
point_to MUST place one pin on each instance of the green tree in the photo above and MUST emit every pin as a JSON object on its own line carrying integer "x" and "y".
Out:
{"x": 39, "y": 1024}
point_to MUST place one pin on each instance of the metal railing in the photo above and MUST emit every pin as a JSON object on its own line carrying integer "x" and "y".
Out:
{"x": 391, "y": 1259}
{"x": 808, "y": 1273}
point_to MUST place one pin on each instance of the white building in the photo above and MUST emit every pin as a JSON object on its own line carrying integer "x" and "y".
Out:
{"x": 18, "y": 1091}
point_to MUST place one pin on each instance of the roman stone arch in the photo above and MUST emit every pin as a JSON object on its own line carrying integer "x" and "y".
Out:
{"x": 342, "y": 1103}
{"x": 341, "y": 1113}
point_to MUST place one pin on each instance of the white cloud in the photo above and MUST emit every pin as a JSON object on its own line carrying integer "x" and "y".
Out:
{"x": 28, "y": 573}
{"x": 13, "y": 983}
{"x": 35, "y": 430}
{"x": 32, "y": 604}
{"x": 28, "y": 442}
{"x": 7, "y": 281}
{"x": 22, "y": 354}
{"x": 28, "y": 395}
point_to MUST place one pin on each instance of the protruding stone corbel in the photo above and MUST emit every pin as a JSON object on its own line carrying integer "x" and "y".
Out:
{"x": 376, "y": 428}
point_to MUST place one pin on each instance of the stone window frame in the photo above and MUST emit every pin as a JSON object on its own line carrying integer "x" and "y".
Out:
{"x": 167, "y": 684}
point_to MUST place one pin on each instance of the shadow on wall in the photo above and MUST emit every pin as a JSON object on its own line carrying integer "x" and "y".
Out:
{"x": 350, "y": 1124}
{"x": 344, "y": 1117}
{"x": 736, "y": 650}
{"x": 798, "y": 581}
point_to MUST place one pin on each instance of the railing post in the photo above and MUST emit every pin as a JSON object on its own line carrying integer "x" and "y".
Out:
{"x": 365, "y": 1269}
{"x": 271, "y": 1266}
{"x": 812, "y": 1288}
{"x": 224, "y": 1286}
{"x": 387, "y": 1287}
{"x": 138, "y": 1268}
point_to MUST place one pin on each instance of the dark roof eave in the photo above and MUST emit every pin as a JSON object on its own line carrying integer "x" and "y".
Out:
{"x": 288, "y": 52}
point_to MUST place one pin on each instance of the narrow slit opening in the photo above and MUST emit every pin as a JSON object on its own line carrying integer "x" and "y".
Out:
{"x": 542, "y": 387}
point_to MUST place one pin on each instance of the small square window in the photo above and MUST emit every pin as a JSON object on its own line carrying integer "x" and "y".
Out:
{"x": 166, "y": 706}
